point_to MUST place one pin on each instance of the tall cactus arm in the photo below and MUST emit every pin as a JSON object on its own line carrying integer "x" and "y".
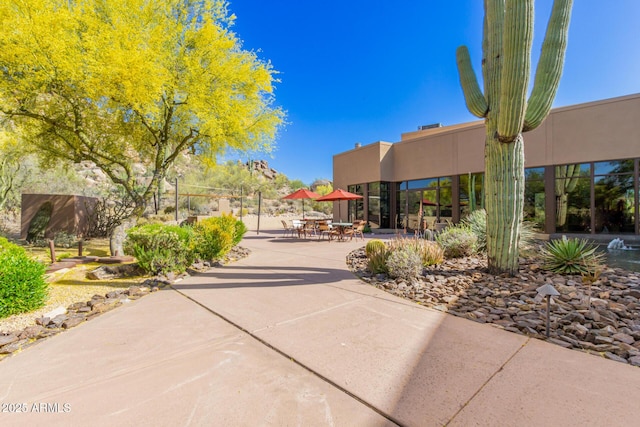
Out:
{"x": 550, "y": 65}
{"x": 516, "y": 67}
{"x": 492, "y": 52}
{"x": 473, "y": 96}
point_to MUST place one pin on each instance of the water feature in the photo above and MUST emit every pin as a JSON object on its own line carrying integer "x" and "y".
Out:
{"x": 620, "y": 255}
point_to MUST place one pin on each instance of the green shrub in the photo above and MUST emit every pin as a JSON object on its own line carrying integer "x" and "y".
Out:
{"x": 457, "y": 241}
{"x": 571, "y": 256}
{"x": 239, "y": 232}
{"x": 404, "y": 263}
{"x": 22, "y": 284}
{"x": 374, "y": 245}
{"x": 63, "y": 255}
{"x": 160, "y": 248}
{"x": 215, "y": 236}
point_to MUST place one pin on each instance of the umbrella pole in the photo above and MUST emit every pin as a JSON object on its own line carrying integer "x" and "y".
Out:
{"x": 302, "y": 208}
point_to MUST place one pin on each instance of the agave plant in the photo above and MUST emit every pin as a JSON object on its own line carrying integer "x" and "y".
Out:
{"x": 571, "y": 256}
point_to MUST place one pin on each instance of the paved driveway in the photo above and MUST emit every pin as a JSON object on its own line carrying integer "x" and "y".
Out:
{"x": 288, "y": 336}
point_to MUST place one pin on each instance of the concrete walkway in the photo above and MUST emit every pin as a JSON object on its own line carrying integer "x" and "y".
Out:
{"x": 289, "y": 337}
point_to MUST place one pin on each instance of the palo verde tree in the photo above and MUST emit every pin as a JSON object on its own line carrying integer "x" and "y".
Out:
{"x": 125, "y": 83}
{"x": 506, "y": 66}
{"x": 11, "y": 157}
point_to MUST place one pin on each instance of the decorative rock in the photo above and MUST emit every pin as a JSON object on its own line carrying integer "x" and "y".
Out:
{"x": 53, "y": 313}
{"x": 73, "y": 321}
{"x": 14, "y": 346}
{"x": 635, "y": 360}
{"x": 627, "y": 339}
{"x": 57, "y": 321}
{"x": 615, "y": 357}
{"x": 106, "y": 272}
{"x": 7, "y": 339}
{"x": 559, "y": 342}
{"x": 31, "y": 332}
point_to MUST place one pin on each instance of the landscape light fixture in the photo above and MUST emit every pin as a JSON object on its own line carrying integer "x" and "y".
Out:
{"x": 547, "y": 291}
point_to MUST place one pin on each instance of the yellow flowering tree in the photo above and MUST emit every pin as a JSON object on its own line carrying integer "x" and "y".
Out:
{"x": 127, "y": 82}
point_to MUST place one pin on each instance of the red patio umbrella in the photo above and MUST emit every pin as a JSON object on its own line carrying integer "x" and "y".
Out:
{"x": 302, "y": 193}
{"x": 337, "y": 195}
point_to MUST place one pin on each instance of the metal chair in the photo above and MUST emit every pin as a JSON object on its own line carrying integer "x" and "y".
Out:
{"x": 288, "y": 229}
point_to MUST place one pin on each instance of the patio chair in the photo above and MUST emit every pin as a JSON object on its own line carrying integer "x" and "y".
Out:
{"x": 288, "y": 229}
{"x": 298, "y": 227}
{"x": 324, "y": 229}
{"x": 355, "y": 231}
{"x": 309, "y": 229}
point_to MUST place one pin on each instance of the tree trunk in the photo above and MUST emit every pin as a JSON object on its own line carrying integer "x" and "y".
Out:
{"x": 504, "y": 168}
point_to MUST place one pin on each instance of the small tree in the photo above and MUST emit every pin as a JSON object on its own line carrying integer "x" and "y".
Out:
{"x": 129, "y": 82}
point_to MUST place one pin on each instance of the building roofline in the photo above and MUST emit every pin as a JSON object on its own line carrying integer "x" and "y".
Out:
{"x": 408, "y": 136}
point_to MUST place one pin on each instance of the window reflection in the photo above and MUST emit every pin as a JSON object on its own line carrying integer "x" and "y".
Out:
{"x": 534, "y": 202}
{"x": 614, "y": 197}
{"x": 471, "y": 193}
{"x": 573, "y": 194}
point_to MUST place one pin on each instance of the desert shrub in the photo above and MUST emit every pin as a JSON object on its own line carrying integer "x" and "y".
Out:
{"x": 169, "y": 210}
{"x": 404, "y": 263}
{"x": 528, "y": 239}
{"x": 377, "y": 255}
{"x": 476, "y": 221}
{"x": 62, "y": 239}
{"x": 215, "y": 236}
{"x": 374, "y": 245}
{"x": 160, "y": 248}
{"x": 22, "y": 284}
{"x": 571, "y": 256}
{"x": 457, "y": 241}
{"x": 106, "y": 214}
{"x": 431, "y": 253}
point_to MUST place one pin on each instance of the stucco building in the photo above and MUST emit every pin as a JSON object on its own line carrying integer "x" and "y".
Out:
{"x": 581, "y": 172}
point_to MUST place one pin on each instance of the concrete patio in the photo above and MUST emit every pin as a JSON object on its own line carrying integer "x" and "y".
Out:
{"x": 288, "y": 336}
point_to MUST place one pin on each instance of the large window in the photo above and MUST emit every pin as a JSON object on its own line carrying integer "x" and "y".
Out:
{"x": 614, "y": 194}
{"x": 421, "y": 203}
{"x": 378, "y": 205}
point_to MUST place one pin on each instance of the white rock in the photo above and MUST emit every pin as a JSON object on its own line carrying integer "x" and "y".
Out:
{"x": 56, "y": 311}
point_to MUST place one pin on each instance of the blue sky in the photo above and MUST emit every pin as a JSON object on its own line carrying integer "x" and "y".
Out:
{"x": 365, "y": 71}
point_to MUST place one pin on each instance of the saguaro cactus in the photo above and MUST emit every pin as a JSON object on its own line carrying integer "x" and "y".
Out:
{"x": 506, "y": 65}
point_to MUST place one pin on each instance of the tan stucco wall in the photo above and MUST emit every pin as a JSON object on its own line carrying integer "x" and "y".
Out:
{"x": 369, "y": 163}
{"x": 605, "y": 130}
{"x": 595, "y": 131}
